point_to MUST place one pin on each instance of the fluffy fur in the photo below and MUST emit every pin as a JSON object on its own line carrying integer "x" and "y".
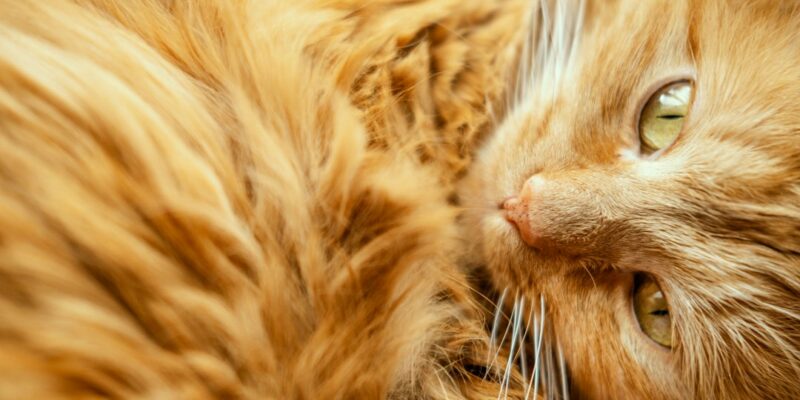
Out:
{"x": 250, "y": 199}
{"x": 715, "y": 218}
{"x": 242, "y": 199}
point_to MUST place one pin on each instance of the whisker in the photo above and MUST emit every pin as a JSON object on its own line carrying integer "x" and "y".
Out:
{"x": 515, "y": 339}
{"x": 563, "y": 370}
{"x": 549, "y": 376}
{"x": 548, "y": 50}
{"x": 548, "y": 56}
{"x": 540, "y": 337}
{"x": 479, "y": 208}
{"x": 507, "y": 372}
{"x": 444, "y": 390}
{"x": 500, "y": 345}
{"x": 535, "y": 340}
{"x": 523, "y": 335}
{"x": 585, "y": 268}
{"x": 495, "y": 323}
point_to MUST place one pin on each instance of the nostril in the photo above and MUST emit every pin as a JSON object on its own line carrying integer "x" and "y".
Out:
{"x": 509, "y": 202}
{"x": 517, "y": 210}
{"x": 512, "y": 209}
{"x": 502, "y": 204}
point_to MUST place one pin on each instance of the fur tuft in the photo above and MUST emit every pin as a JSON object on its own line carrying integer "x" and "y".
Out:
{"x": 192, "y": 207}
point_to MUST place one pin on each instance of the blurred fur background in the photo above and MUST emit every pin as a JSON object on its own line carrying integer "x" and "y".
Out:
{"x": 244, "y": 199}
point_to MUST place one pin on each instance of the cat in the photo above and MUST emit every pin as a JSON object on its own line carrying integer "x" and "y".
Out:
{"x": 218, "y": 199}
{"x": 642, "y": 198}
{"x": 244, "y": 199}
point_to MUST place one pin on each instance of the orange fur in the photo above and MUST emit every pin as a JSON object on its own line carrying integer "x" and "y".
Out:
{"x": 716, "y": 218}
{"x": 192, "y": 207}
{"x": 249, "y": 199}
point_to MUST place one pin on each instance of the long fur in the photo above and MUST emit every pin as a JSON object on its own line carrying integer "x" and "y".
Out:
{"x": 242, "y": 199}
{"x": 250, "y": 199}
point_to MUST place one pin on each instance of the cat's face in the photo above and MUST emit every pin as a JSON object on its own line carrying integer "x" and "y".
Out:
{"x": 712, "y": 217}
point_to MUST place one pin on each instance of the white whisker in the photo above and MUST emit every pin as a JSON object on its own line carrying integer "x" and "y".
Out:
{"x": 540, "y": 336}
{"x": 562, "y": 367}
{"x": 523, "y": 335}
{"x": 497, "y": 312}
{"x": 494, "y": 347}
{"x": 548, "y": 59}
{"x": 444, "y": 390}
{"x": 549, "y": 50}
{"x": 514, "y": 323}
{"x": 536, "y": 338}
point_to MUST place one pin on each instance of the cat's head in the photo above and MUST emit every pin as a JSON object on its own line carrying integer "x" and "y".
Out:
{"x": 652, "y": 168}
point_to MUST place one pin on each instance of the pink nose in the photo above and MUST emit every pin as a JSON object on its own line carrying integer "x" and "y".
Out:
{"x": 520, "y": 211}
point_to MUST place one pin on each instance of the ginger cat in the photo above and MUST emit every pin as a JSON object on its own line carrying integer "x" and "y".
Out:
{"x": 645, "y": 191}
{"x": 254, "y": 199}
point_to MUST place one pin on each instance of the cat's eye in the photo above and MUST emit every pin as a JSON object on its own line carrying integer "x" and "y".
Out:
{"x": 662, "y": 117}
{"x": 652, "y": 310}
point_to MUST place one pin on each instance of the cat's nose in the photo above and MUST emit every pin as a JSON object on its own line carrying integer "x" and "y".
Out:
{"x": 518, "y": 211}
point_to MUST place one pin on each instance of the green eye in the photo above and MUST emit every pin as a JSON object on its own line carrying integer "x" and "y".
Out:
{"x": 662, "y": 117}
{"x": 652, "y": 310}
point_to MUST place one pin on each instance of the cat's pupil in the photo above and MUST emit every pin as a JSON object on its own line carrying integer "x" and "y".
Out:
{"x": 660, "y": 313}
{"x": 670, "y": 116}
